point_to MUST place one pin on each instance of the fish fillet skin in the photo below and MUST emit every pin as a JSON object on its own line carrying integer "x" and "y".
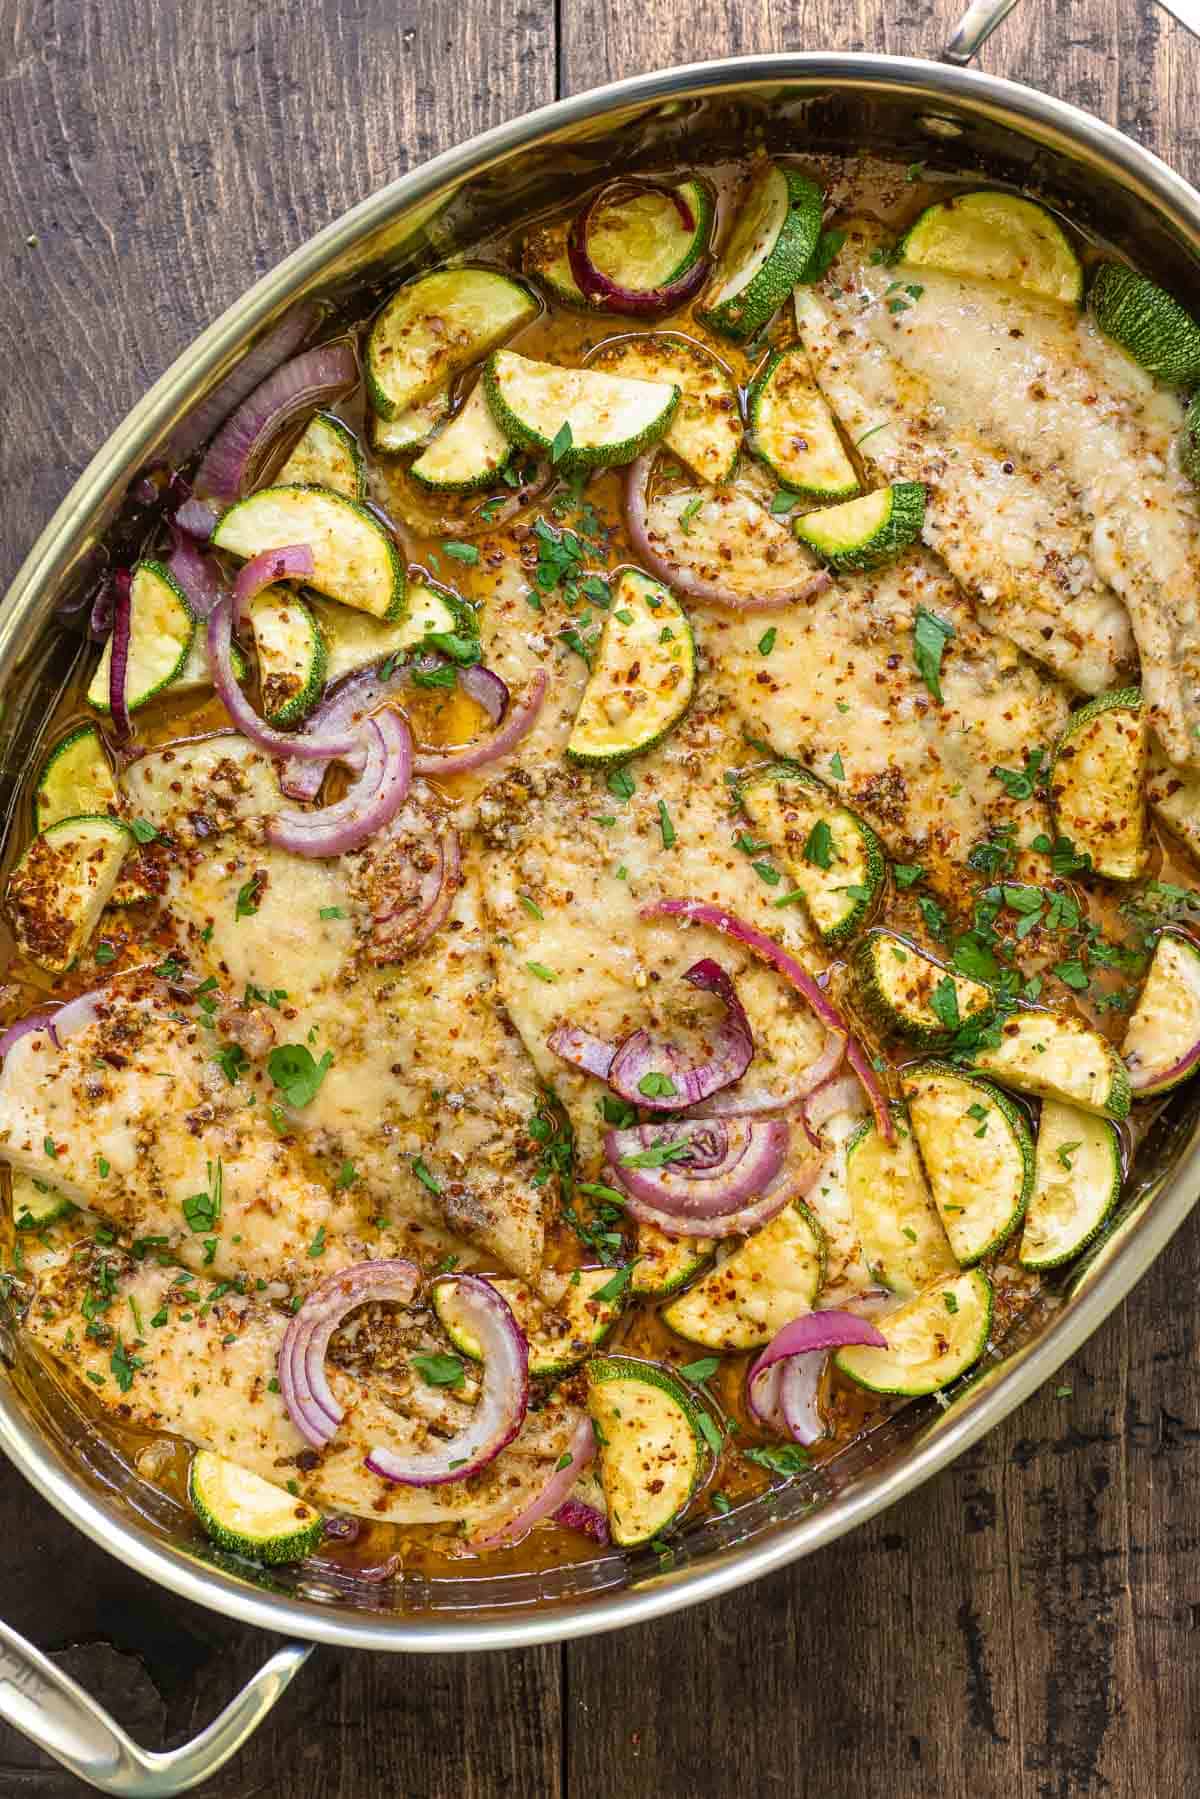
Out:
{"x": 1040, "y": 384}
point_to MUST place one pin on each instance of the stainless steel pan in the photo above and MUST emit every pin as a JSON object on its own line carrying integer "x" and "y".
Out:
{"x": 940, "y": 113}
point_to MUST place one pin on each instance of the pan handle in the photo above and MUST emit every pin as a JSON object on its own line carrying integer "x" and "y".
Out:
{"x": 973, "y": 30}
{"x": 54, "y": 1712}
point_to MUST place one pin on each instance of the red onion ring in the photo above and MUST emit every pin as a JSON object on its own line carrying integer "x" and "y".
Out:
{"x": 576, "y": 1514}
{"x": 434, "y": 909}
{"x": 292, "y": 562}
{"x": 101, "y": 616}
{"x": 582, "y": 1049}
{"x": 730, "y": 1161}
{"x": 500, "y": 1410}
{"x": 486, "y": 689}
{"x": 276, "y": 743}
{"x": 738, "y": 1103}
{"x": 372, "y": 802}
{"x": 845, "y": 1095}
{"x": 595, "y": 285}
{"x": 762, "y": 1398}
{"x": 310, "y": 1402}
{"x": 197, "y": 575}
{"x": 732, "y": 1052}
{"x": 195, "y": 519}
{"x": 800, "y": 1398}
{"x": 798, "y": 1350}
{"x": 343, "y": 709}
{"x": 75, "y": 1015}
{"x": 118, "y": 668}
{"x": 582, "y": 1452}
{"x": 675, "y": 576}
{"x": 33, "y": 1021}
{"x": 797, "y": 976}
{"x": 488, "y": 749}
{"x": 309, "y": 380}
{"x": 280, "y": 341}
{"x": 792, "y": 1182}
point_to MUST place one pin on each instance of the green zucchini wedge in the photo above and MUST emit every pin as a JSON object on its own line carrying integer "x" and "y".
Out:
{"x": 411, "y": 429}
{"x": 468, "y": 453}
{"x": 1056, "y": 1057}
{"x": 1162, "y": 1039}
{"x": 638, "y": 240}
{"x": 908, "y": 993}
{"x": 1189, "y": 443}
{"x": 903, "y": 1242}
{"x": 776, "y": 225}
{"x": 594, "y": 419}
{"x": 993, "y": 236}
{"x": 1076, "y": 1185}
{"x": 651, "y": 1449}
{"x": 75, "y": 778}
{"x": 1147, "y": 324}
{"x": 706, "y": 429}
{"x": 977, "y": 1153}
{"x": 35, "y": 1204}
{"x": 291, "y": 655}
{"x": 196, "y": 674}
{"x": 643, "y": 675}
{"x": 161, "y": 628}
{"x": 1097, "y": 783}
{"x": 353, "y": 640}
{"x": 665, "y": 1264}
{"x": 251, "y": 1516}
{"x": 793, "y": 431}
{"x": 355, "y": 558}
{"x": 559, "y": 1337}
{"x": 327, "y": 455}
{"x": 930, "y": 1341}
{"x": 831, "y": 856}
{"x": 741, "y": 1303}
{"x": 435, "y": 327}
{"x": 867, "y": 532}
{"x": 62, "y": 884}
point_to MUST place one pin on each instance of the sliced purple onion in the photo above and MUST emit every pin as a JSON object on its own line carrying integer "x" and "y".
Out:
{"x": 792, "y": 1182}
{"x": 798, "y": 1350}
{"x": 282, "y": 340}
{"x": 342, "y": 745}
{"x": 750, "y": 1102}
{"x": 371, "y": 802}
{"x": 33, "y": 1021}
{"x": 407, "y": 926}
{"x": 595, "y": 285}
{"x": 580, "y": 1453}
{"x": 641, "y": 1054}
{"x": 307, "y": 1395}
{"x": 342, "y": 710}
{"x": 118, "y": 670}
{"x": 486, "y": 689}
{"x": 578, "y": 1515}
{"x": 76, "y": 1015}
{"x": 198, "y": 575}
{"x": 844, "y": 1095}
{"x": 291, "y": 562}
{"x": 101, "y": 616}
{"x": 725, "y": 1163}
{"x": 503, "y": 1401}
{"x": 195, "y": 519}
{"x": 520, "y": 720}
{"x": 763, "y": 1400}
{"x": 582, "y": 1049}
{"x": 309, "y": 380}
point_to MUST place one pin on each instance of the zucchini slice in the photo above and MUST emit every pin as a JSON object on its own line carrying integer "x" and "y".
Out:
{"x": 993, "y": 236}
{"x": 328, "y": 455}
{"x": 609, "y": 418}
{"x": 196, "y": 674}
{"x": 466, "y": 454}
{"x": 832, "y": 857}
{"x": 977, "y": 1153}
{"x": 355, "y": 559}
{"x": 777, "y": 222}
{"x": 1096, "y": 787}
{"x": 1162, "y": 1039}
{"x": 1055, "y": 1057}
{"x": 250, "y": 1516}
{"x": 639, "y": 242}
{"x": 1147, "y": 323}
{"x": 559, "y": 1337}
{"x": 437, "y": 326}
{"x": 867, "y": 532}
{"x": 35, "y": 1204}
{"x": 792, "y": 429}
{"x": 1189, "y": 443}
{"x": 75, "y": 778}
{"x": 412, "y": 428}
{"x": 903, "y": 1243}
{"x": 161, "y": 628}
{"x": 897, "y": 984}
{"x": 62, "y": 884}
{"x": 930, "y": 1341}
{"x": 706, "y": 431}
{"x": 643, "y": 675}
{"x": 1076, "y": 1186}
{"x": 744, "y": 1300}
{"x": 664, "y": 1264}
{"x": 651, "y": 1447}
{"x": 354, "y": 641}
{"x": 291, "y": 655}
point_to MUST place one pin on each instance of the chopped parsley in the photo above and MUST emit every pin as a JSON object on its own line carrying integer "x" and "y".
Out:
{"x": 203, "y": 1210}
{"x": 656, "y": 1086}
{"x": 665, "y": 826}
{"x": 930, "y": 636}
{"x": 563, "y": 439}
{"x": 836, "y": 767}
{"x": 786, "y": 1458}
{"x": 143, "y": 830}
{"x": 658, "y": 1155}
{"x": 951, "y": 1300}
{"x": 620, "y": 783}
{"x": 425, "y": 1176}
{"x": 766, "y": 642}
{"x": 231, "y": 1059}
{"x": 1066, "y": 1151}
{"x": 461, "y": 552}
{"x": 439, "y": 1370}
{"x": 709, "y": 1432}
{"x": 702, "y": 1370}
{"x": 541, "y": 971}
{"x": 249, "y": 895}
{"x": 293, "y": 1070}
{"x": 613, "y": 1289}
{"x": 332, "y": 912}
{"x": 1022, "y": 783}
{"x": 943, "y": 1003}
{"x": 907, "y": 874}
{"x": 818, "y": 848}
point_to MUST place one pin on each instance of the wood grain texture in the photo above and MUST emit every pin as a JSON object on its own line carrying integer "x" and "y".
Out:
{"x": 1029, "y": 1623}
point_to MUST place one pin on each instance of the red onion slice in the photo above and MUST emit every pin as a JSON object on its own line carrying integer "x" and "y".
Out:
{"x": 372, "y": 802}
{"x": 76, "y": 1015}
{"x": 595, "y": 285}
{"x": 581, "y": 1452}
{"x": 845, "y": 1095}
{"x": 642, "y": 1054}
{"x": 488, "y": 749}
{"x": 582, "y": 1049}
{"x": 276, "y": 743}
{"x": 763, "y": 1400}
{"x": 281, "y": 341}
{"x": 793, "y": 1182}
{"x": 292, "y": 562}
{"x": 118, "y": 668}
{"x": 676, "y": 577}
{"x": 195, "y": 519}
{"x": 310, "y": 1402}
{"x": 500, "y": 1410}
{"x": 343, "y": 709}
{"x": 798, "y": 1350}
{"x": 728, "y": 1161}
{"x": 433, "y": 905}
{"x": 33, "y": 1021}
{"x": 741, "y": 1102}
{"x": 197, "y": 574}
{"x": 309, "y": 380}
{"x": 800, "y": 1398}
{"x": 797, "y": 976}
{"x": 576, "y": 1514}
{"x": 486, "y": 689}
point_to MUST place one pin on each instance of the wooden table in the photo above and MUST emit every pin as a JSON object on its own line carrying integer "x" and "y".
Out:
{"x": 1028, "y": 1623}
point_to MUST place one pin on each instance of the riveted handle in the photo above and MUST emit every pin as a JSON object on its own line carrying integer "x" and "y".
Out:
{"x": 974, "y": 28}
{"x": 54, "y": 1712}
